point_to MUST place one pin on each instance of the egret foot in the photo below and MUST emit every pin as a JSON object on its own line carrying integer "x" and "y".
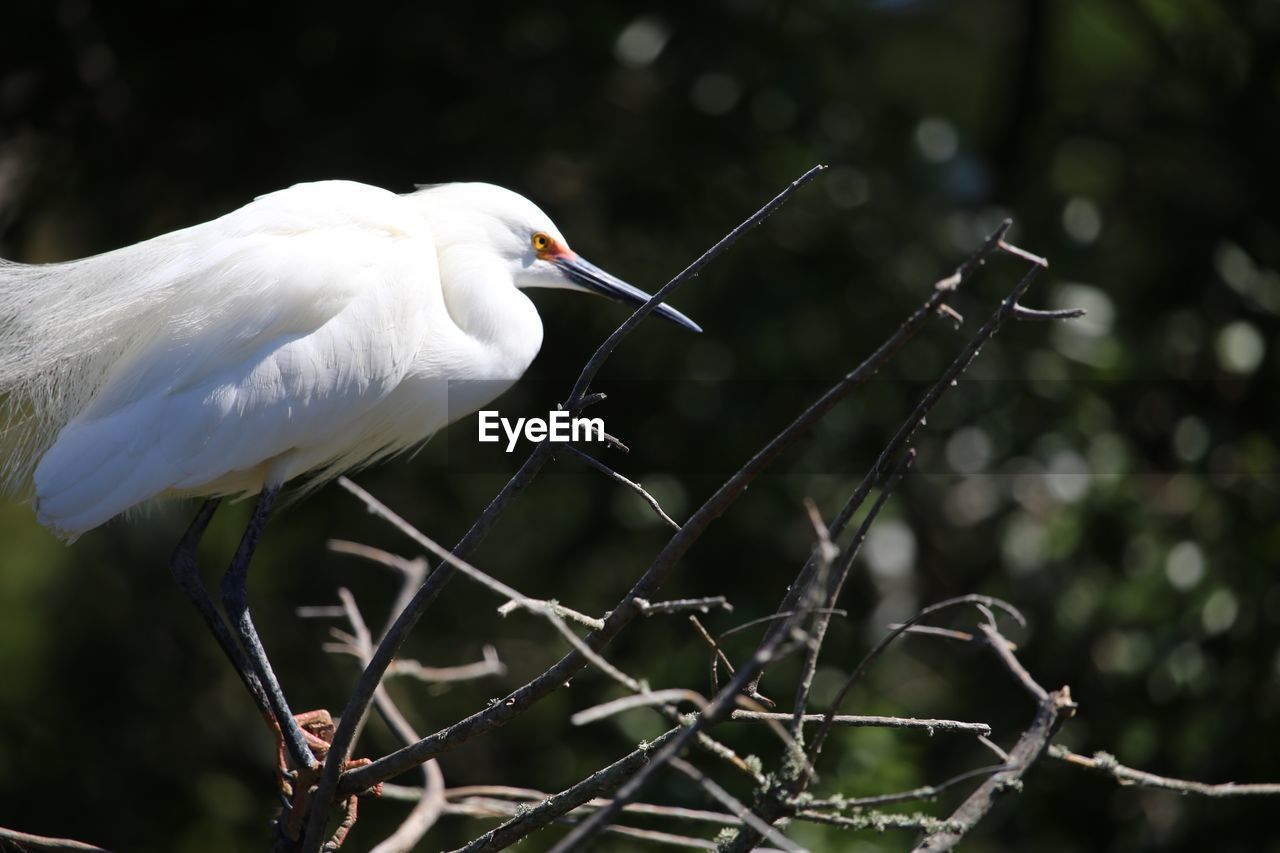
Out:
{"x": 318, "y": 729}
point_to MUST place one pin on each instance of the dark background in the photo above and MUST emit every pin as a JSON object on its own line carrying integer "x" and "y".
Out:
{"x": 1116, "y": 477}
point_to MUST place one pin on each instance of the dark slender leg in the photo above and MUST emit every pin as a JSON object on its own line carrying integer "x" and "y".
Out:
{"x": 183, "y": 568}
{"x": 235, "y": 600}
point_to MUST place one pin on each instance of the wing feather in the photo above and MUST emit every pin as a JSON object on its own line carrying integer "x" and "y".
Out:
{"x": 256, "y": 339}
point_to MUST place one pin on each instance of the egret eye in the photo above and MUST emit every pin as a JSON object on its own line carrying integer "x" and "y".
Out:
{"x": 542, "y": 241}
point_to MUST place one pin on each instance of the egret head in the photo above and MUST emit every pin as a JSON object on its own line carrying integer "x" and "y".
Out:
{"x": 510, "y": 226}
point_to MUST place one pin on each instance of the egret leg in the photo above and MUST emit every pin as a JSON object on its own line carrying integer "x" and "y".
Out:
{"x": 183, "y": 568}
{"x": 235, "y": 600}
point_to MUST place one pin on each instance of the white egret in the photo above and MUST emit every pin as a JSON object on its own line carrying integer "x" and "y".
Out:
{"x": 311, "y": 331}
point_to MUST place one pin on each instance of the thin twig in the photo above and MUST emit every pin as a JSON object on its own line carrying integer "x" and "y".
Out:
{"x": 412, "y": 572}
{"x": 27, "y": 841}
{"x": 656, "y": 837}
{"x": 490, "y": 665}
{"x": 1004, "y": 649}
{"x": 421, "y": 818}
{"x": 1106, "y": 763}
{"x": 717, "y": 655}
{"x": 879, "y": 821}
{"x": 613, "y": 441}
{"x": 879, "y": 648}
{"x": 732, "y": 803}
{"x": 765, "y": 620}
{"x": 1022, "y": 253}
{"x": 429, "y": 799}
{"x": 603, "y": 781}
{"x": 540, "y": 605}
{"x": 934, "y": 631}
{"x": 533, "y": 795}
{"x": 683, "y": 605}
{"x": 924, "y": 792}
{"x": 481, "y": 807}
{"x": 994, "y": 747}
{"x": 514, "y": 598}
{"x": 716, "y": 710}
{"x": 1021, "y": 312}
{"x": 611, "y": 343}
{"x": 862, "y": 721}
{"x": 776, "y": 802}
{"x": 631, "y": 484}
{"x": 408, "y": 568}
{"x": 831, "y": 570}
{"x": 428, "y": 809}
{"x": 640, "y": 700}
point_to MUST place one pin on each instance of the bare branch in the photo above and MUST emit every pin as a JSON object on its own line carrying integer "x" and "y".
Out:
{"x": 490, "y": 665}
{"x": 1021, "y": 757}
{"x": 378, "y": 508}
{"x": 717, "y": 655}
{"x": 603, "y": 781}
{"x": 422, "y": 817}
{"x": 611, "y": 343}
{"x": 723, "y": 699}
{"x": 533, "y": 795}
{"x": 827, "y": 549}
{"x": 27, "y": 841}
{"x": 994, "y": 747}
{"x": 1051, "y": 709}
{"x": 879, "y": 648}
{"x": 482, "y": 807}
{"x": 879, "y": 821}
{"x": 681, "y": 605}
{"x": 1004, "y": 650}
{"x": 1023, "y": 253}
{"x": 408, "y": 568}
{"x": 924, "y": 792}
{"x": 319, "y": 611}
{"x": 717, "y": 709}
{"x": 656, "y": 837}
{"x": 612, "y": 441}
{"x": 858, "y": 721}
{"x": 933, "y": 631}
{"x": 430, "y": 802}
{"x": 776, "y": 617}
{"x": 832, "y": 569}
{"x": 634, "y": 486}
{"x": 641, "y": 700}
{"x": 731, "y": 802}
{"x": 540, "y": 606}
{"x": 1105, "y": 763}
{"x": 1021, "y": 312}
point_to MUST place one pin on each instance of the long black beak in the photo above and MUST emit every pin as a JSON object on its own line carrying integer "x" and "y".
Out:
{"x": 593, "y": 278}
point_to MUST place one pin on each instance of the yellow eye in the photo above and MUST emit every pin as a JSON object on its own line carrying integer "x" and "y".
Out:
{"x": 542, "y": 242}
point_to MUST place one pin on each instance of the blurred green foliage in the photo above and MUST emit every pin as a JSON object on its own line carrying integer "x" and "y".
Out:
{"x": 1114, "y": 477}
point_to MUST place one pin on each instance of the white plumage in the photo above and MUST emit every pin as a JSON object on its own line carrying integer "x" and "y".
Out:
{"x": 312, "y": 330}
